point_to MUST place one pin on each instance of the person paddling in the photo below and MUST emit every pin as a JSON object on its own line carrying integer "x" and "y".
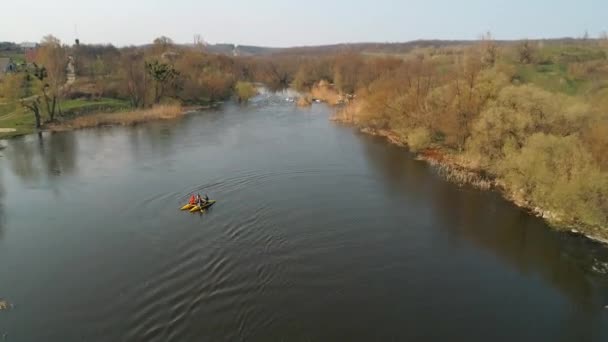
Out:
{"x": 192, "y": 200}
{"x": 200, "y": 200}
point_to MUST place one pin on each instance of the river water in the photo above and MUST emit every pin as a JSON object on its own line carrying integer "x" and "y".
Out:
{"x": 319, "y": 234}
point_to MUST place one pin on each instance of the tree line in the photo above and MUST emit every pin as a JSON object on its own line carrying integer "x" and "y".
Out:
{"x": 144, "y": 76}
{"x": 545, "y": 148}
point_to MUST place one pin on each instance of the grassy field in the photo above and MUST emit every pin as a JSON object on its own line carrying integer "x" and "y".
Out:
{"x": 83, "y": 106}
{"x": 551, "y": 69}
{"x": 13, "y": 116}
{"x": 554, "y": 65}
{"x": 552, "y": 77}
{"x": 17, "y": 57}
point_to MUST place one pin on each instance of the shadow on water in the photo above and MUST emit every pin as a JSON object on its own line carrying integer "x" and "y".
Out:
{"x": 58, "y": 151}
{"x": 162, "y": 138}
{"x": 21, "y": 155}
{"x": 156, "y": 136}
{"x": 574, "y": 266}
{"x": 33, "y": 157}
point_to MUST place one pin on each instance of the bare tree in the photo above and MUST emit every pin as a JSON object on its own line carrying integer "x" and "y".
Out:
{"x": 34, "y": 78}
{"x": 199, "y": 42}
{"x": 135, "y": 75}
{"x": 526, "y": 52}
{"x": 489, "y": 49}
{"x": 52, "y": 58}
{"x": 162, "y": 44}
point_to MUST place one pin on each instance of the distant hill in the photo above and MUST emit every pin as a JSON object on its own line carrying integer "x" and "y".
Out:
{"x": 320, "y": 50}
{"x": 388, "y": 48}
{"x": 248, "y": 50}
{"x": 242, "y": 50}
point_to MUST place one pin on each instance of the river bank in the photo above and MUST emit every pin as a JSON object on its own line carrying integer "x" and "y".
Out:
{"x": 126, "y": 118}
{"x": 322, "y": 92}
{"x": 111, "y": 118}
{"x": 456, "y": 168}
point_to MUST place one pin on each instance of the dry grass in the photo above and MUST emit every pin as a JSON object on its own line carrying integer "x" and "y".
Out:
{"x": 304, "y": 101}
{"x": 349, "y": 113}
{"x": 161, "y": 112}
{"x": 326, "y": 93}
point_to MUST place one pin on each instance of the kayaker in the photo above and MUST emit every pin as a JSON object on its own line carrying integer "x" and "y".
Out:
{"x": 200, "y": 200}
{"x": 206, "y": 198}
{"x": 192, "y": 200}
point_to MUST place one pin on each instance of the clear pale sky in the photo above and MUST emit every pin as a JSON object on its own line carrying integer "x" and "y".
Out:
{"x": 290, "y": 23}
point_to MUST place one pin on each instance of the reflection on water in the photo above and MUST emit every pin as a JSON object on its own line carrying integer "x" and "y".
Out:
{"x": 159, "y": 138}
{"x": 58, "y": 152}
{"x": 39, "y": 156}
{"x": 572, "y": 265}
{"x": 569, "y": 263}
{"x": 21, "y": 156}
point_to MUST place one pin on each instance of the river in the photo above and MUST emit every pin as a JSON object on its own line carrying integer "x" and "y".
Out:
{"x": 320, "y": 233}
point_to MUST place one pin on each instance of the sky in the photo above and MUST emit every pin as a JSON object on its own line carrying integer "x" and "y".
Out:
{"x": 296, "y": 23}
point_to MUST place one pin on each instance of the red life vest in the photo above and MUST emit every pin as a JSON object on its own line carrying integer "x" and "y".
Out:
{"x": 192, "y": 200}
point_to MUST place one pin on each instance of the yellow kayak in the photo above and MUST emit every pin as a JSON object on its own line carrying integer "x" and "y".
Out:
{"x": 196, "y": 208}
{"x": 188, "y": 207}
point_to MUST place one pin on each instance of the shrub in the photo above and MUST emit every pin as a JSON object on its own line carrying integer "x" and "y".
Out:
{"x": 519, "y": 112}
{"x": 244, "y": 91}
{"x": 326, "y": 93}
{"x": 418, "y": 139}
{"x": 559, "y": 175}
{"x": 304, "y": 101}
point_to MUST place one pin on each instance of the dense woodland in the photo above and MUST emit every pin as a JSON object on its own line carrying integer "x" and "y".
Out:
{"x": 531, "y": 115}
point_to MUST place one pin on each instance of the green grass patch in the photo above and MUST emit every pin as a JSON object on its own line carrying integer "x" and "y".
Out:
{"x": 17, "y": 57}
{"x": 12, "y": 115}
{"x": 17, "y": 118}
{"x": 552, "y": 77}
{"x": 76, "y": 107}
{"x": 7, "y": 108}
{"x": 564, "y": 53}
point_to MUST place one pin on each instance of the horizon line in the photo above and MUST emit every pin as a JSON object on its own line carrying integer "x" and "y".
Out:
{"x": 327, "y": 44}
